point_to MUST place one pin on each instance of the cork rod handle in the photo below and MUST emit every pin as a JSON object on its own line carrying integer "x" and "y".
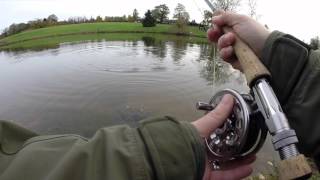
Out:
{"x": 250, "y": 63}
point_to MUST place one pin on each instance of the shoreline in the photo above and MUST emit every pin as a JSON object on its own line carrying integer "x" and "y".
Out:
{"x": 100, "y": 32}
{"x": 77, "y": 30}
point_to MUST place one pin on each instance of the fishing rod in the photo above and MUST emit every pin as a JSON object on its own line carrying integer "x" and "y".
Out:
{"x": 253, "y": 116}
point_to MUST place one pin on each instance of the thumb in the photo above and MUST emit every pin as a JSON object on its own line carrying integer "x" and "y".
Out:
{"x": 211, "y": 121}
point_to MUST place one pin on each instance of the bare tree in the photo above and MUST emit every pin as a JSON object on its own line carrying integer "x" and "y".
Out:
{"x": 252, "y": 4}
{"x": 315, "y": 42}
{"x": 207, "y": 16}
{"x": 180, "y": 13}
{"x": 182, "y": 18}
{"x": 226, "y": 5}
{"x": 135, "y": 15}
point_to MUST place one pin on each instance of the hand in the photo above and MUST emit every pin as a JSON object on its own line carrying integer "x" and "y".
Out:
{"x": 205, "y": 126}
{"x": 249, "y": 30}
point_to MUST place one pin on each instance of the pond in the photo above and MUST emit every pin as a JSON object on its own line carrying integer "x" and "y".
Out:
{"x": 81, "y": 87}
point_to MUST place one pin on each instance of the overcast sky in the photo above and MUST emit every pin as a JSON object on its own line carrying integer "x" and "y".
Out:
{"x": 297, "y": 17}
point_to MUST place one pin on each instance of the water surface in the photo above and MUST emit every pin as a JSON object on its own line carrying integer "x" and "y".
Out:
{"x": 81, "y": 87}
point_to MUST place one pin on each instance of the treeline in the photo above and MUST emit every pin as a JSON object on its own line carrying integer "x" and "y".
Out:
{"x": 159, "y": 13}
{"x": 53, "y": 20}
{"x": 78, "y": 19}
{"x": 35, "y": 24}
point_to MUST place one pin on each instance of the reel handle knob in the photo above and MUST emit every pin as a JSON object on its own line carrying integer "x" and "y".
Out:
{"x": 204, "y": 106}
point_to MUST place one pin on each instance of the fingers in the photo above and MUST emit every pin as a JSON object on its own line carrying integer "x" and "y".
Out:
{"x": 237, "y": 163}
{"x": 211, "y": 121}
{"x": 226, "y": 19}
{"x": 225, "y": 43}
{"x": 226, "y": 53}
{"x": 214, "y": 34}
{"x": 226, "y": 40}
{"x": 221, "y": 19}
{"x": 232, "y": 174}
{"x": 235, "y": 63}
{"x": 226, "y": 50}
{"x": 233, "y": 170}
{"x": 236, "y": 170}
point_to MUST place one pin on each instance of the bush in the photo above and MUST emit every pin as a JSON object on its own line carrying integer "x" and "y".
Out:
{"x": 193, "y": 23}
{"x": 149, "y": 20}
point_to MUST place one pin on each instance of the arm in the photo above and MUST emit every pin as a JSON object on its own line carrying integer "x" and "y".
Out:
{"x": 160, "y": 148}
{"x": 296, "y": 81}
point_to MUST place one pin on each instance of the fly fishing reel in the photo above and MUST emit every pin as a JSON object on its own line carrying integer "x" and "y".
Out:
{"x": 242, "y": 134}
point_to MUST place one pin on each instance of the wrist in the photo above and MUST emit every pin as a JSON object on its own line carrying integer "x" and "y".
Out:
{"x": 263, "y": 36}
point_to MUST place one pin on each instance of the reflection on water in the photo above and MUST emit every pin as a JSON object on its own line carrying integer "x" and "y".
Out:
{"x": 81, "y": 87}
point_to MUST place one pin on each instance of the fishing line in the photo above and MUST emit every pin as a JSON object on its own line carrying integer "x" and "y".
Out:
{"x": 212, "y": 46}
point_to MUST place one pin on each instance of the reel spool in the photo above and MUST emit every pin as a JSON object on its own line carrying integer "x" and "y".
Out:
{"x": 243, "y": 133}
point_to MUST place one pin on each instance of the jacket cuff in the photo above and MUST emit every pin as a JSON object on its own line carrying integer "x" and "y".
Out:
{"x": 285, "y": 57}
{"x": 175, "y": 148}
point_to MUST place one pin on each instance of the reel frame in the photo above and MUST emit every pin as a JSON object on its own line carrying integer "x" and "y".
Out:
{"x": 242, "y": 135}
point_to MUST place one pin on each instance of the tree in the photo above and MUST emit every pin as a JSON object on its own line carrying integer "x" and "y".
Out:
{"x": 193, "y": 23}
{"x": 161, "y": 13}
{"x": 207, "y": 16}
{"x": 124, "y": 18}
{"x": 52, "y": 18}
{"x": 130, "y": 18}
{"x": 180, "y": 13}
{"x": 182, "y": 18}
{"x": 252, "y": 4}
{"x": 226, "y": 5}
{"x": 4, "y": 33}
{"x": 206, "y": 22}
{"x": 15, "y": 29}
{"x": 36, "y": 24}
{"x": 99, "y": 19}
{"x": 149, "y": 20}
{"x": 315, "y": 43}
{"x": 135, "y": 15}
{"x": 79, "y": 19}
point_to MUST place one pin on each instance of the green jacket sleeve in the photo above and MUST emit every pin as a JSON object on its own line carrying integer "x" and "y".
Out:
{"x": 160, "y": 148}
{"x": 295, "y": 70}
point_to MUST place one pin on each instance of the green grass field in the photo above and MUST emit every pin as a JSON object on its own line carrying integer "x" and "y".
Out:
{"x": 54, "y": 35}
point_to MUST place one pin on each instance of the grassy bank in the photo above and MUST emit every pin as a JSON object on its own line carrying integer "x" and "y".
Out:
{"x": 79, "y": 32}
{"x": 55, "y": 42}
